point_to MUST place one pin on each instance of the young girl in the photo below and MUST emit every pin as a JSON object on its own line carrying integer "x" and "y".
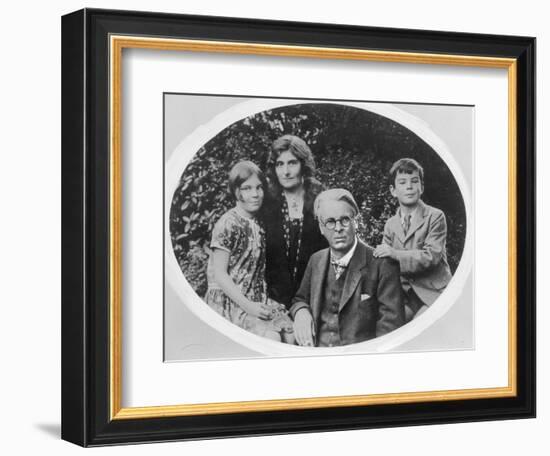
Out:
{"x": 236, "y": 269}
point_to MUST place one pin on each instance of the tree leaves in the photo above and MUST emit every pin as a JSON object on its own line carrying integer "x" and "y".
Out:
{"x": 353, "y": 149}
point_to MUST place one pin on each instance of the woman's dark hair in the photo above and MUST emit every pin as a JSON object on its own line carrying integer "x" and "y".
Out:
{"x": 297, "y": 147}
{"x": 240, "y": 172}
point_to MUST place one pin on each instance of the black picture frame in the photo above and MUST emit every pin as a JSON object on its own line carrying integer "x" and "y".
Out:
{"x": 86, "y": 255}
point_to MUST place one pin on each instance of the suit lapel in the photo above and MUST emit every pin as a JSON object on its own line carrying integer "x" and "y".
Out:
{"x": 397, "y": 228}
{"x": 319, "y": 272}
{"x": 353, "y": 275}
{"x": 418, "y": 221}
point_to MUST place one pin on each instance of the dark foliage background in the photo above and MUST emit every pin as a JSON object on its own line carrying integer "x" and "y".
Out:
{"x": 353, "y": 149}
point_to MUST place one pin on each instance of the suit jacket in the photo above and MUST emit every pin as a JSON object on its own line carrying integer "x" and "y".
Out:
{"x": 422, "y": 252}
{"x": 280, "y": 284}
{"x": 372, "y": 298}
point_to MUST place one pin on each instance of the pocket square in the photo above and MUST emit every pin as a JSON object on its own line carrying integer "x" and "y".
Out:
{"x": 364, "y": 296}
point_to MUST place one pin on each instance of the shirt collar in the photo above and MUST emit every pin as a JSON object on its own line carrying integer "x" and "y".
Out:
{"x": 344, "y": 261}
{"x": 402, "y": 216}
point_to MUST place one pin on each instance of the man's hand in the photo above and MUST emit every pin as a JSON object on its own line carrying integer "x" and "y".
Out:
{"x": 303, "y": 328}
{"x": 384, "y": 251}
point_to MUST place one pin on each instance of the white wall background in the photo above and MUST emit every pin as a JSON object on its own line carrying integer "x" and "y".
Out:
{"x": 30, "y": 192}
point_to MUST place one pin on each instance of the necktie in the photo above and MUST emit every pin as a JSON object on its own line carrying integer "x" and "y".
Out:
{"x": 338, "y": 268}
{"x": 407, "y": 223}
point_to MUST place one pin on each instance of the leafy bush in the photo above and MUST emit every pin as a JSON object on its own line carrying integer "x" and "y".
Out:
{"x": 353, "y": 149}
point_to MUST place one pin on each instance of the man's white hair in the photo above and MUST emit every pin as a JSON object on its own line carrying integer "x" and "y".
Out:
{"x": 335, "y": 194}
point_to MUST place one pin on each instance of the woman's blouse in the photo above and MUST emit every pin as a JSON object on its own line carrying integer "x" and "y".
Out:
{"x": 288, "y": 251}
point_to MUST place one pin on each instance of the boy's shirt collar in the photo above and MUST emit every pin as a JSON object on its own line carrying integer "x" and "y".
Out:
{"x": 419, "y": 207}
{"x": 402, "y": 216}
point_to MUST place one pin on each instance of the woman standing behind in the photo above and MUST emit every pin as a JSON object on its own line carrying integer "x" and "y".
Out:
{"x": 292, "y": 233}
{"x": 236, "y": 269}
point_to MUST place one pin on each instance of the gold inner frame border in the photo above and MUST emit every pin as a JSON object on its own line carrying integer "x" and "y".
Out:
{"x": 116, "y": 46}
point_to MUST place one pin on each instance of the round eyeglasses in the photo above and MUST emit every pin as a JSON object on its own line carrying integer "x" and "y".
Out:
{"x": 331, "y": 223}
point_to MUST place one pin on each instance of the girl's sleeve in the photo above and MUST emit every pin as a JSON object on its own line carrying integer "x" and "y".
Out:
{"x": 224, "y": 234}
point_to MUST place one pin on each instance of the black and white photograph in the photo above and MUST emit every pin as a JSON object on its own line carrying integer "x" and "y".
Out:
{"x": 303, "y": 227}
{"x": 275, "y": 228}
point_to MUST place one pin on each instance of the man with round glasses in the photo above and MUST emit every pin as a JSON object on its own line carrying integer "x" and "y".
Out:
{"x": 346, "y": 295}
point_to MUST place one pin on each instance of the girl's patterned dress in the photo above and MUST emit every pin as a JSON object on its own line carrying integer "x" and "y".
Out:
{"x": 244, "y": 239}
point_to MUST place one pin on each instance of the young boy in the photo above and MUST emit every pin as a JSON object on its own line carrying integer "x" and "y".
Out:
{"x": 415, "y": 237}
